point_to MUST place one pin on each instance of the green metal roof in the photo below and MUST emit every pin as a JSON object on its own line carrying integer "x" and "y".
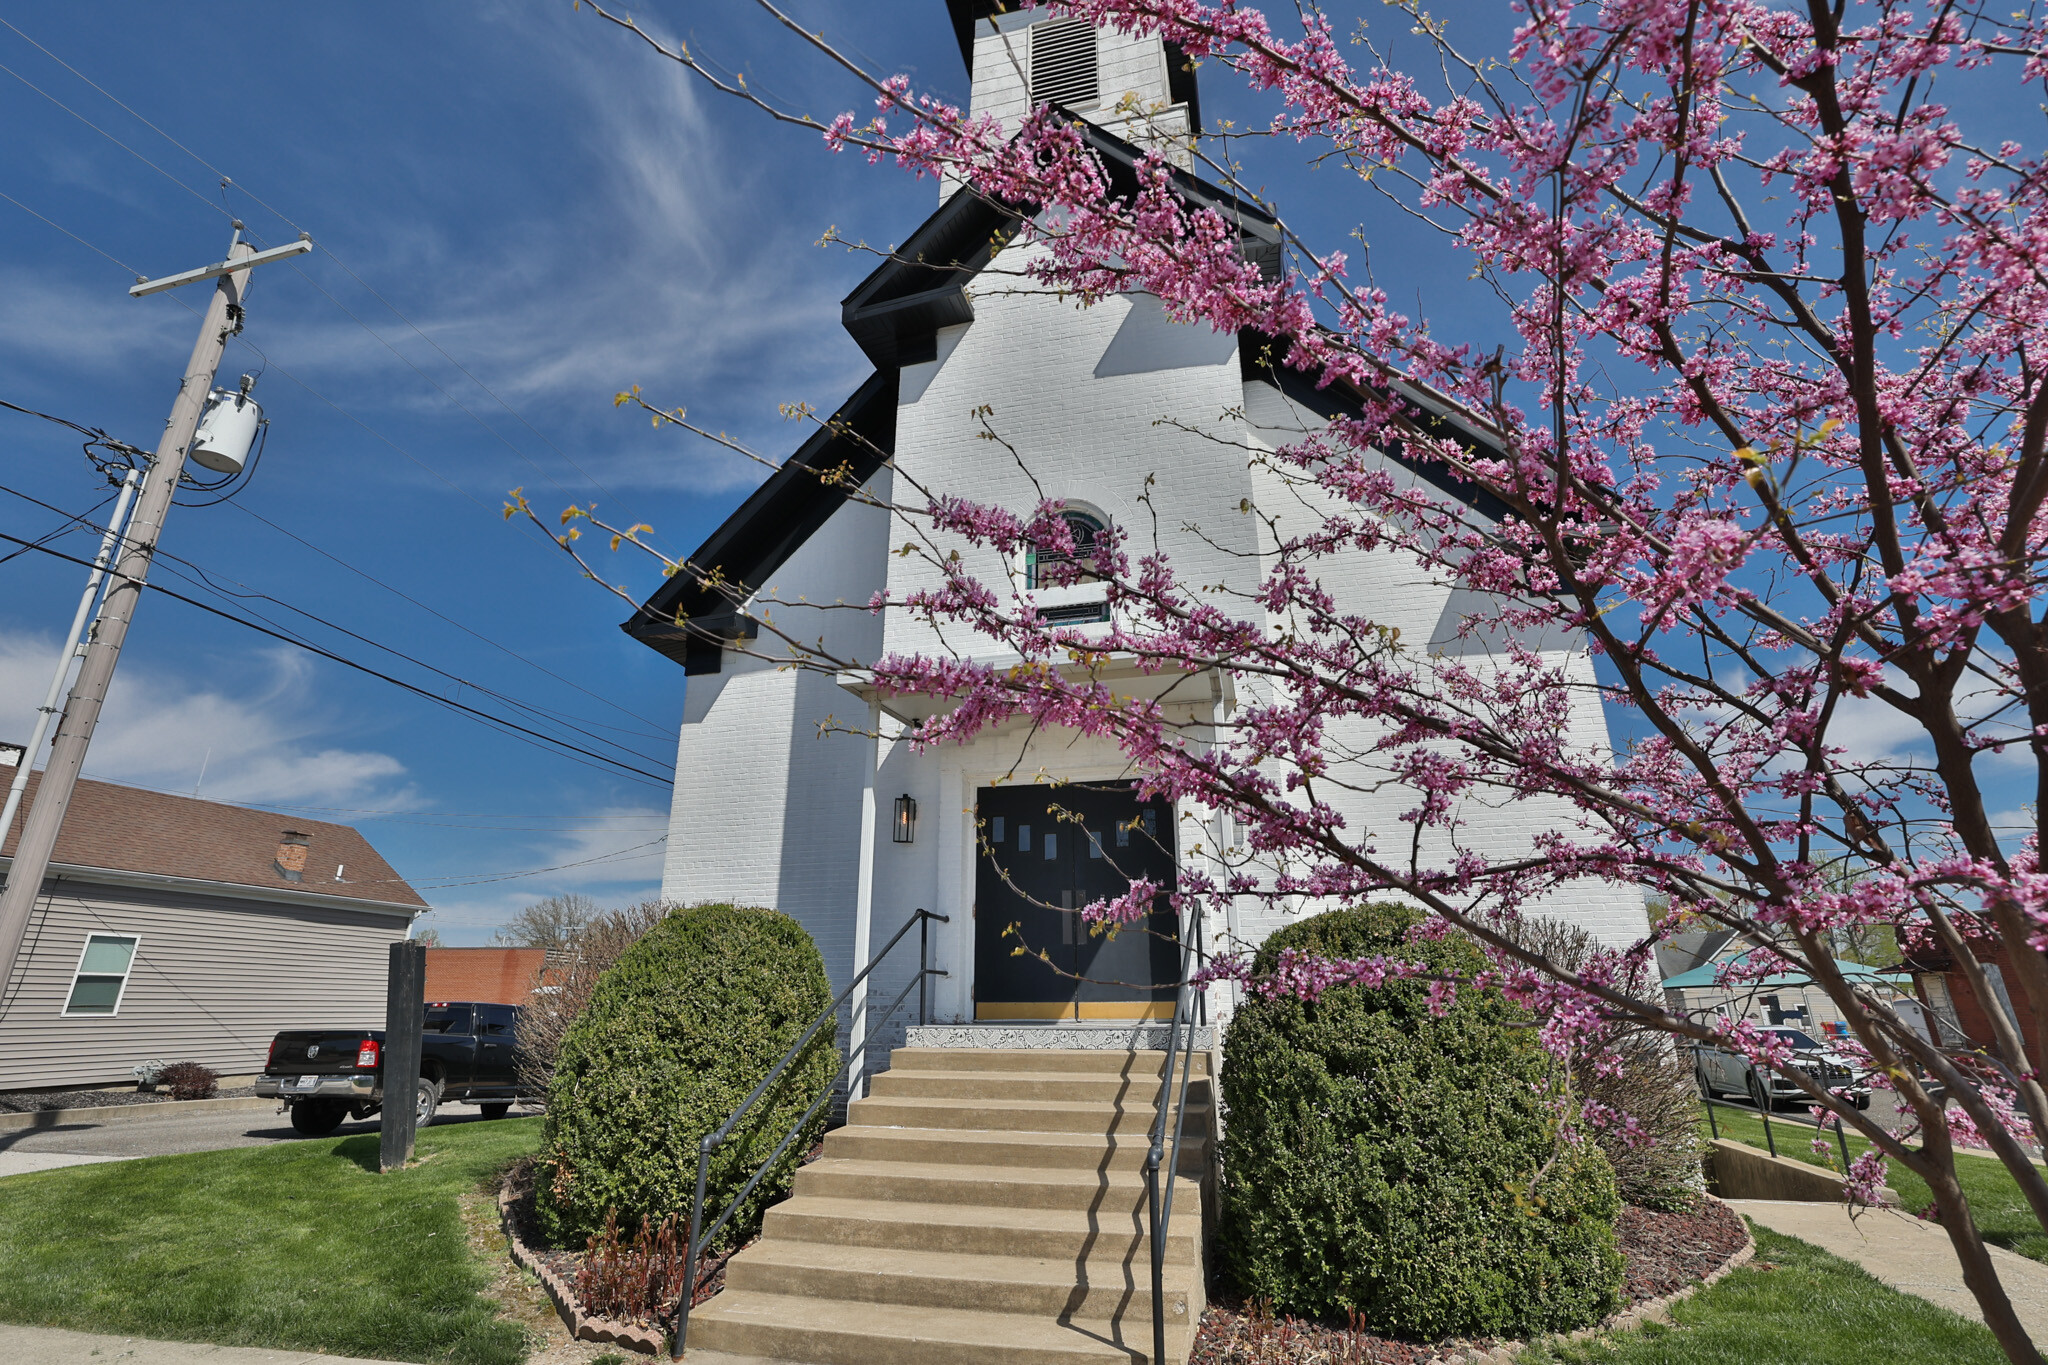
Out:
{"x": 1704, "y": 975}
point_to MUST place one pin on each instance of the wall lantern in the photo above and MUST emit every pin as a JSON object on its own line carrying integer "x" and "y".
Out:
{"x": 905, "y": 830}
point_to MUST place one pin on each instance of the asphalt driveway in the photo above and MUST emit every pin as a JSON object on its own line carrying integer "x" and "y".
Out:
{"x": 33, "y": 1149}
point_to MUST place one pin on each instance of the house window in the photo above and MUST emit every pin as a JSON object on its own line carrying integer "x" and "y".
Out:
{"x": 102, "y": 975}
{"x": 1063, "y": 63}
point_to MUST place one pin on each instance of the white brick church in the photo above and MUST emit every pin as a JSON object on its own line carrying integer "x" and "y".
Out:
{"x": 850, "y": 836}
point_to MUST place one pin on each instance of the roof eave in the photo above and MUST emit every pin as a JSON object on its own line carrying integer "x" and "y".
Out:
{"x": 291, "y": 895}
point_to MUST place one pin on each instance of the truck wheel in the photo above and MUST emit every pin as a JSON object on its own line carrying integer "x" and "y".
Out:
{"x": 495, "y": 1111}
{"x": 317, "y": 1118}
{"x": 429, "y": 1101}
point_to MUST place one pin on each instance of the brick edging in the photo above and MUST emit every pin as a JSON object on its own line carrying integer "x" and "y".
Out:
{"x": 582, "y": 1326}
{"x": 1650, "y": 1310}
{"x": 131, "y": 1113}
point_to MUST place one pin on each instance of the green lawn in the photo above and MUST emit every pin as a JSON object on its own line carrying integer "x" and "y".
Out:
{"x": 2001, "y": 1214}
{"x": 298, "y": 1245}
{"x": 1793, "y": 1305}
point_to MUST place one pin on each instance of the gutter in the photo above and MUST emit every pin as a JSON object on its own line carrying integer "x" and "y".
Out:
{"x": 157, "y": 881}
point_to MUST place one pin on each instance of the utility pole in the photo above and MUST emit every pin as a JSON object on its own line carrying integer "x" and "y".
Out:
{"x": 48, "y": 709}
{"x": 82, "y": 710}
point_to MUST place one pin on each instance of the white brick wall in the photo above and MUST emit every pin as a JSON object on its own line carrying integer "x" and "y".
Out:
{"x": 1134, "y": 96}
{"x": 767, "y": 812}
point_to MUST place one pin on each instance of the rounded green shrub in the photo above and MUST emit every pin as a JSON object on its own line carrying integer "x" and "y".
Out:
{"x": 676, "y": 1034}
{"x": 1381, "y": 1160}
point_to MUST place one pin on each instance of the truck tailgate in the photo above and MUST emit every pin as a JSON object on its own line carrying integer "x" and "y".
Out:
{"x": 315, "y": 1052}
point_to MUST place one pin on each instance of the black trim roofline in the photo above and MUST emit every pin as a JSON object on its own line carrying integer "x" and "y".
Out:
{"x": 691, "y": 621}
{"x": 895, "y": 315}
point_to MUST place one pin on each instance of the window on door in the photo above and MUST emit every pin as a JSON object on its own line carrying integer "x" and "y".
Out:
{"x": 102, "y": 976}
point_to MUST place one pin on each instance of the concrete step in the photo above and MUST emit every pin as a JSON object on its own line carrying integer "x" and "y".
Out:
{"x": 1054, "y": 1060}
{"x": 1103, "y": 1237}
{"x": 1032, "y": 1085}
{"x": 789, "y": 1328}
{"x": 996, "y": 1187}
{"x": 955, "y": 1147}
{"x": 1012, "y": 1116}
{"x": 821, "y": 1271}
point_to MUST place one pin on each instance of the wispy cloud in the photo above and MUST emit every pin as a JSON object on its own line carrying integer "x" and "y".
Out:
{"x": 161, "y": 730}
{"x": 659, "y": 268}
{"x": 101, "y": 329}
{"x": 614, "y": 858}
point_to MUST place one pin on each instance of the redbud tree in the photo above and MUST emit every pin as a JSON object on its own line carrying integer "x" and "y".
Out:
{"x": 1769, "y": 422}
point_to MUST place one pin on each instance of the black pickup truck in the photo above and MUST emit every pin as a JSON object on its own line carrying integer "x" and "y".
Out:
{"x": 327, "y": 1075}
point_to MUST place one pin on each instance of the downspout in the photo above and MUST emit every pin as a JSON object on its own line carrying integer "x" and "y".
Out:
{"x": 1217, "y": 713}
{"x": 863, "y": 913}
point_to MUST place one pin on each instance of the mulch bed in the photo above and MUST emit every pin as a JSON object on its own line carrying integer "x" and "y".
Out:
{"x": 38, "y": 1101}
{"x": 569, "y": 1264}
{"x": 1661, "y": 1254}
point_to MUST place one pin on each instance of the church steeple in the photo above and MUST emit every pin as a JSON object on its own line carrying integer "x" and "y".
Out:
{"x": 1137, "y": 87}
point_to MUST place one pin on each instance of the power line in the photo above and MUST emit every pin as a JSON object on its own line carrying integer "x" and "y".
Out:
{"x": 204, "y": 581}
{"x": 288, "y": 807}
{"x": 110, "y": 95}
{"x": 408, "y": 362}
{"x": 454, "y": 880}
{"x": 69, "y": 524}
{"x": 572, "y": 751}
{"x": 217, "y": 208}
{"x": 244, "y": 341}
{"x": 324, "y": 249}
{"x": 405, "y": 597}
{"x": 74, "y": 236}
{"x": 98, "y": 434}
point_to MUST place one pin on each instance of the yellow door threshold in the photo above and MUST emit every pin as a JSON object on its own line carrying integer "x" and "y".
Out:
{"x": 1056, "y": 1011}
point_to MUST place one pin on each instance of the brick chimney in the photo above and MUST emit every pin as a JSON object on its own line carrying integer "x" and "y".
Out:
{"x": 291, "y": 855}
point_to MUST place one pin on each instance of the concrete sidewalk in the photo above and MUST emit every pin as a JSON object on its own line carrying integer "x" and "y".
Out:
{"x": 51, "y": 1346}
{"x": 1911, "y": 1256}
{"x": 20, "y": 1163}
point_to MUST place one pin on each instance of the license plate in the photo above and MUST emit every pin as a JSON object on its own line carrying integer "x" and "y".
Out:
{"x": 301, "y": 1082}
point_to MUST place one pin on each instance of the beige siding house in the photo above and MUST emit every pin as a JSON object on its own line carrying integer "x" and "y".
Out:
{"x": 188, "y": 930}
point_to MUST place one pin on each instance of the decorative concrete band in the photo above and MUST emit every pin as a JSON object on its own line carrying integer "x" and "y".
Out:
{"x": 1085, "y": 1037}
{"x": 131, "y": 1113}
{"x": 582, "y": 1326}
{"x": 1649, "y": 1310}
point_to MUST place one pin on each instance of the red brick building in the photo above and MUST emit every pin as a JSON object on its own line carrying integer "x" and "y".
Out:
{"x": 498, "y": 976}
{"x": 1948, "y": 996}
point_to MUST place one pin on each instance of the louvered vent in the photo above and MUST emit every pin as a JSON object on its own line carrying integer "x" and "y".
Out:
{"x": 1063, "y": 63}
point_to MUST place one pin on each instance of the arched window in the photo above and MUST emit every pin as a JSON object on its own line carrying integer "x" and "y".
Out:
{"x": 1085, "y": 528}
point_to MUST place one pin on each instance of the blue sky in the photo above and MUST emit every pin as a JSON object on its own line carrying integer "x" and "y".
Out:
{"x": 559, "y": 213}
{"x": 563, "y": 214}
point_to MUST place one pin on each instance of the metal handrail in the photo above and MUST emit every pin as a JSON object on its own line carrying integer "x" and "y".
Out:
{"x": 1818, "y": 1125}
{"x": 700, "y": 1237}
{"x": 1185, "y": 1002}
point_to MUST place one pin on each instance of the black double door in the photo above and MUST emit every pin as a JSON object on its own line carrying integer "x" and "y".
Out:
{"x": 1043, "y": 854}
